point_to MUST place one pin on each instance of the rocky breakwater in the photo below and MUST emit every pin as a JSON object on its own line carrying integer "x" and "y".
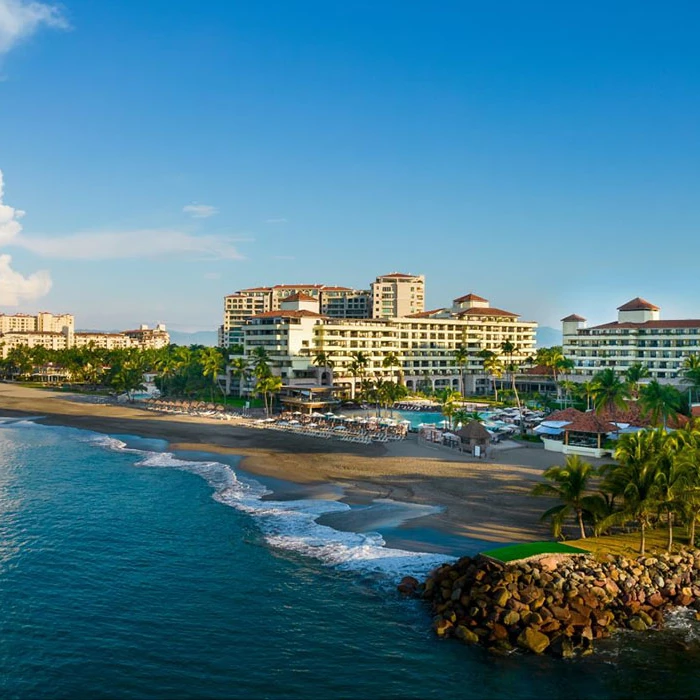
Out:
{"x": 556, "y": 605}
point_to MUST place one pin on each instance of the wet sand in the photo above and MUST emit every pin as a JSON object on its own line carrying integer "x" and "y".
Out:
{"x": 482, "y": 500}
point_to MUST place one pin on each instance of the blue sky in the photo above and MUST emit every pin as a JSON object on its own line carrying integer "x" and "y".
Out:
{"x": 545, "y": 155}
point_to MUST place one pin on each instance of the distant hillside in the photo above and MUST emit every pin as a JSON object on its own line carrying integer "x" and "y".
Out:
{"x": 546, "y": 337}
{"x": 199, "y": 338}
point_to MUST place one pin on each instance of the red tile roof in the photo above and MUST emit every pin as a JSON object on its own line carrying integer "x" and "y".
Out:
{"x": 286, "y": 313}
{"x": 539, "y": 371}
{"x": 569, "y": 414}
{"x": 488, "y": 311}
{"x": 298, "y": 286}
{"x": 680, "y": 323}
{"x": 337, "y": 289}
{"x": 590, "y": 423}
{"x": 425, "y": 314}
{"x": 638, "y": 304}
{"x": 396, "y": 274}
{"x": 252, "y": 289}
{"x": 299, "y": 296}
{"x": 469, "y": 297}
{"x": 573, "y": 317}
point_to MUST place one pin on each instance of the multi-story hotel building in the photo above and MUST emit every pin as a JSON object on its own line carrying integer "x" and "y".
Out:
{"x": 57, "y": 332}
{"x": 397, "y": 294}
{"x": 335, "y": 302}
{"x": 425, "y": 343}
{"x": 639, "y": 336}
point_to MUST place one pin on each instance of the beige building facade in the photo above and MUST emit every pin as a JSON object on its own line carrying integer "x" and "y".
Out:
{"x": 425, "y": 343}
{"x": 57, "y": 332}
{"x": 639, "y": 336}
{"x": 397, "y": 294}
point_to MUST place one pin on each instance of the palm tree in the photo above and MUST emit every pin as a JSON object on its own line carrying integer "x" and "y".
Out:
{"x": 462, "y": 358}
{"x": 212, "y": 363}
{"x": 634, "y": 478}
{"x": 608, "y": 391}
{"x": 691, "y": 372}
{"x": 239, "y": 370}
{"x": 509, "y": 348}
{"x": 449, "y": 401}
{"x": 322, "y": 359}
{"x": 672, "y": 478}
{"x": 569, "y": 485}
{"x": 261, "y": 362}
{"x": 661, "y": 401}
{"x": 357, "y": 368}
{"x": 689, "y": 459}
{"x": 493, "y": 368}
{"x": 267, "y": 387}
{"x": 586, "y": 391}
{"x": 634, "y": 375}
{"x": 391, "y": 359}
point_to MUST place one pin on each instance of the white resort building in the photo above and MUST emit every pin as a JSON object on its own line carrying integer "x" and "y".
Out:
{"x": 639, "y": 336}
{"x": 389, "y": 296}
{"x": 57, "y": 332}
{"x": 425, "y": 343}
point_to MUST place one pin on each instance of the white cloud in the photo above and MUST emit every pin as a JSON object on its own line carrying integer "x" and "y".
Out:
{"x": 147, "y": 243}
{"x": 20, "y": 19}
{"x": 14, "y": 287}
{"x": 275, "y": 221}
{"x": 200, "y": 211}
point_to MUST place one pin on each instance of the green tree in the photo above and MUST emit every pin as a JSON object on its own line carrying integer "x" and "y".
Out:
{"x": 660, "y": 401}
{"x": 391, "y": 359}
{"x": 267, "y": 387}
{"x": 239, "y": 369}
{"x": 634, "y": 374}
{"x": 493, "y": 368}
{"x": 634, "y": 478}
{"x": 261, "y": 362}
{"x": 449, "y": 403}
{"x": 569, "y": 484}
{"x": 212, "y": 363}
{"x": 691, "y": 372}
{"x": 608, "y": 391}
{"x": 462, "y": 359}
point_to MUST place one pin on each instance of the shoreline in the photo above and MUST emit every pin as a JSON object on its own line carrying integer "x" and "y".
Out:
{"x": 486, "y": 501}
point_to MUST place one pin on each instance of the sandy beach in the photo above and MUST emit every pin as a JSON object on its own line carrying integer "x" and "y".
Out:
{"x": 484, "y": 500}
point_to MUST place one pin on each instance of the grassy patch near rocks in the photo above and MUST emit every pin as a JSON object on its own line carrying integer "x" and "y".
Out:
{"x": 627, "y": 544}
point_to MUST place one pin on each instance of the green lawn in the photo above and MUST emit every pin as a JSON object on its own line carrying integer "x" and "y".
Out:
{"x": 627, "y": 544}
{"x": 513, "y": 552}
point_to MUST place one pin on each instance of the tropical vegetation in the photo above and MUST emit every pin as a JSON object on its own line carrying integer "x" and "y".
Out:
{"x": 655, "y": 481}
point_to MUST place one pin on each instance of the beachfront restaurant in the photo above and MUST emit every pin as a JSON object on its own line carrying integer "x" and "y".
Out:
{"x": 308, "y": 399}
{"x": 583, "y": 434}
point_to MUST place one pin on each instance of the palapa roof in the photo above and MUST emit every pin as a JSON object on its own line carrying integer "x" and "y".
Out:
{"x": 473, "y": 431}
{"x": 638, "y": 304}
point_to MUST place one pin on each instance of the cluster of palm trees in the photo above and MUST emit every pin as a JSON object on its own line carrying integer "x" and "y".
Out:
{"x": 257, "y": 366}
{"x": 655, "y": 480}
{"x": 181, "y": 370}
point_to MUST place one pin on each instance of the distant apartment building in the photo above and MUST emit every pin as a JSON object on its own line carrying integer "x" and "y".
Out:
{"x": 639, "y": 336}
{"x": 43, "y": 322}
{"x": 57, "y": 332}
{"x": 425, "y": 343}
{"x": 397, "y": 294}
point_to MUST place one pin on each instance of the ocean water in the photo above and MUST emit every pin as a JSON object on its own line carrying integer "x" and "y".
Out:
{"x": 127, "y": 571}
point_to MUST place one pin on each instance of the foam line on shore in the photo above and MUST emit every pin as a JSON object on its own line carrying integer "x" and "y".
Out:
{"x": 289, "y": 525}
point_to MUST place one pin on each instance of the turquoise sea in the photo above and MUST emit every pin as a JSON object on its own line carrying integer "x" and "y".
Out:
{"x": 127, "y": 571}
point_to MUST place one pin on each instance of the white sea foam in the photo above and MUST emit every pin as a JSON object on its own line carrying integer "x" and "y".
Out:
{"x": 291, "y": 525}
